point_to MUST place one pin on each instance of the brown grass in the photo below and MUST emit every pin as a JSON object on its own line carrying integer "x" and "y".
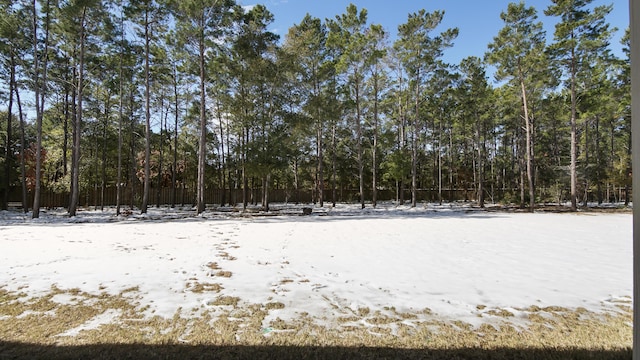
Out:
{"x": 552, "y": 332}
{"x": 500, "y": 312}
{"x": 225, "y": 255}
{"x": 226, "y": 301}
{"x": 274, "y": 305}
{"x": 213, "y": 266}
{"x": 226, "y": 274}
{"x": 197, "y": 287}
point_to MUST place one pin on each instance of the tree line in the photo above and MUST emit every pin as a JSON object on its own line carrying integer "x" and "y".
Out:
{"x": 165, "y": 94}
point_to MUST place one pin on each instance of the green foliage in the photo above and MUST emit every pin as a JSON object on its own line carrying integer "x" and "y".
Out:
{"x": 334, "y": 102}
{"x": 397, "y": 166}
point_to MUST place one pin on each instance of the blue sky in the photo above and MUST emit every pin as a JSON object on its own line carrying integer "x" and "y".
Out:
{"x": 478, "y": 20}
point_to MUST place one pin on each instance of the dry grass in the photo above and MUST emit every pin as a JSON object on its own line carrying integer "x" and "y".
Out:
{"x": 197, "y": 287}
{"x": 552, "y": 332}
{"x": 213, "y": 266}
{"x": 226, "y": 274}
{"x": 225, "y": 301}
{"x": 225, "y": 255}
{"x": 274, "y": 305}
{"x": 500, "y": 312}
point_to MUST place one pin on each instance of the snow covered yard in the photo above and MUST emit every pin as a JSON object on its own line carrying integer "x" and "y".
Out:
{"x": 433, "y": 276}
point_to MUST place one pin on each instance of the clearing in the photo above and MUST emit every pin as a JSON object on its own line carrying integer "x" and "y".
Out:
{"x": 396, "y": 282}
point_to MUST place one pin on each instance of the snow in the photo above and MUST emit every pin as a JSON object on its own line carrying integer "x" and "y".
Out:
{"x": 93, "y": 323}
{"x": 456, "y": 261}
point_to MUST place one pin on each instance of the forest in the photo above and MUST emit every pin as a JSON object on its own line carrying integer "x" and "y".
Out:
{"x": 163, "y": 102}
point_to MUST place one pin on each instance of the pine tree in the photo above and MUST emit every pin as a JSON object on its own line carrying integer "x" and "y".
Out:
{"x": 347, "y": 37}
{"x": 420, "y": 53}
{"x": 476, "y": 96}
{"x": 149, "y": 16}
{"x": 518, "y": 52}
{"x": 581, "y": 36}
{"x": 40, "y": 67}
{"x": 203, "y": 25}
{"x": 306, "y": 43}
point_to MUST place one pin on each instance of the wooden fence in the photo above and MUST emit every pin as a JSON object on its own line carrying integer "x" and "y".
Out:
{"x": 96, "y": 197}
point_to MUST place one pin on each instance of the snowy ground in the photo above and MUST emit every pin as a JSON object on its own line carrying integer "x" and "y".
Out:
{"x": 453, "y": 263}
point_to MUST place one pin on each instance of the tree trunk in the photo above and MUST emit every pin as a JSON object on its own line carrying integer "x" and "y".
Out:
{"x": 77, "y": 130}
{"x": 265, "y": 192}
{"x": 163, "y": 131}
{"x": 374, "y": 154}
{"x": 359, "y": 142}
{"x": 574, "y": 150}
{"x": 450, "y": 156}
{"x": 522, "y": 168}
{"x": 320, "y": 154}
{"x": 334, "y": 170}
{"x": 67, "y": 116}
{"x": 103, "y": 175}
{"x": 319, "y": 143}
{"x": 37, "y": 90}
{"x": 402, "y": 137}
{"x": 73, "y": 118}
{"x": 414, "y": 145}
{"x": 202, "y": 146}
{"x": 480, "y": 163}
{"x": 598, "y": 157}
{"x": 40, "y": 88}
{"x": 296, "y": 185}
{"x": 587, "y": 172}
{"x": 8, "y": 161}
{"x": 147, "y": 116}
{"x": 440, "y": 162}
{"x": 223, "y": 176}
{"x": 175, "y": 138}
{"x": 245, "y": 180}
{"x": 23, "y": 168}
{"x": 528, "y": 146}
{"x": 120, "y": 117}
{"x": 133, "y": 179}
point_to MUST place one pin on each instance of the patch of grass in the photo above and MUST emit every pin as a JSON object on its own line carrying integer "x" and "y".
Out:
{"x": 274, "y": 306}
{"x": 551, "y": 332}
{"x": 625, "y": 308}
{"x": 380, "y": 319}
{"x": 40, "y": 320}
{"x": 348, "y": 319}
{"x": 213, "y": 266}
{"x": 225, "y": 255}
{"x": 226, "y": 274}
{"x": 500, "y": 312}
{"x": 204, "y": 287}
{"x": 132, "y": 289}
{"x": 407, "y": 316}
{"x": 555, "y": 309}
{"x": 280, "y": 324}
{"x": 225, "y": 301}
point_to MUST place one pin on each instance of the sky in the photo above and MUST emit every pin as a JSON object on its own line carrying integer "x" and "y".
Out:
{"x": 478, "y": 21}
